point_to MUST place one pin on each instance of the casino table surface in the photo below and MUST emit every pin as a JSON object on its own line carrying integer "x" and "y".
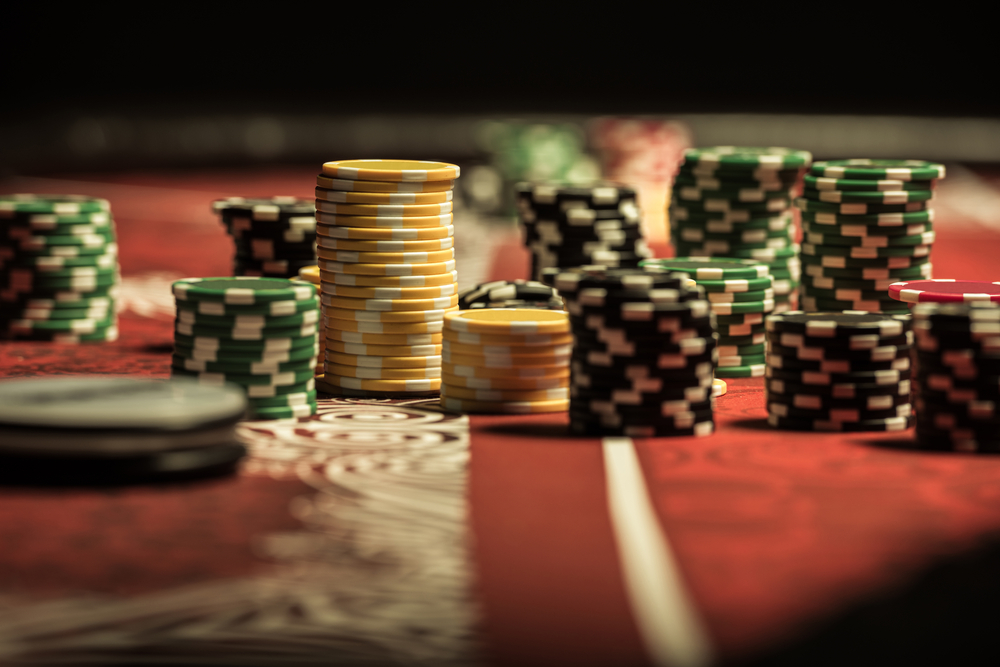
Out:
{"x": 391, "y": 532}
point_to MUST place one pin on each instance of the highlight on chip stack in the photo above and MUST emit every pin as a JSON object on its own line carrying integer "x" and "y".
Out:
{"x": 866, "y": 224}
{"x": 385, "y": 243}
{"x": 59, "y": 274}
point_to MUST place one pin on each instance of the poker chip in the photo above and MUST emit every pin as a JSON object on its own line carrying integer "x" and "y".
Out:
{"x": 383, "y": 222}
{"x": 326, "y": 232}
{"x": 859, "y": 184}
{"x": 273, "y": 237}
{"x": 383, "y": 210}
{"x": 58, "y": 249}
{"x": 401, "y": 386}
{"x": 380, "y": 373}
{"x": 447, "y": 278}
{"x": 506, "y": 383}
{"x": 507, "y": 294}
{"x": 902, "y": 170}
{"x": 746, "y": 158}
{"x": 394, "y": 171}
{"x": 376, "y": 245}
{"x": 373, "y": 186}
{"x": 388, "y": 270}
{"x": 347, "y": 197}
{"x": 945, "y": 291}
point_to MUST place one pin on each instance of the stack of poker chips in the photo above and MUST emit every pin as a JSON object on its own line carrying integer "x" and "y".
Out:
{"x": 866, "y": 224}
{"x": 731, "y": 201}
{"x": 644, "y": 352}
{"x": 387, "y": 270}
{"x": 958, "y": 392}
{"x": 273, "y": 237}
{"x": 310, "y": 274}
{"x": 741, "y": 293}
{"x": 258, "y": 333}
{"x": 574, "y": 225}
{"x": 500, "y": 360}
{"x": 59, "y": 272}
{"x": 839, "y": 371}
{"x": 510, "y": 294}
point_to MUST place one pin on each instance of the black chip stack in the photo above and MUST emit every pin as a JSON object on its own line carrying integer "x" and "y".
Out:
{"x": 510, "y": 294}
{"x": 866, "y": 224}
{"x": 273, "y": 237}
{"x": 575, "y": 225}
{"x": 839, "y": 371}
{"x": 59, "y": 272}
{"x": 731, "y": 201}
{"x": 644, "y": 352}
{"x": 958, "y": 376}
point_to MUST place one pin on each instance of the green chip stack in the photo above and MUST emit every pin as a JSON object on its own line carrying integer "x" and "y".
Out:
{"x": 258, "y": 333}
{"x": 866, "y": 224}
{"x": 59, "y": 272}
{"x": 731, "y": 201}
{"x": 741, "y": 294}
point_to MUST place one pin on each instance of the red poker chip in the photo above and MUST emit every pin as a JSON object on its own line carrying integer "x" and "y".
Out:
{"x": 945, "y": 290}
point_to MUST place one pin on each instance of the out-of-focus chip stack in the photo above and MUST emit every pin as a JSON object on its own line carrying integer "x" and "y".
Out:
{"x": 510, "y": 294}
{"x": 644, "y": 350}
{"x": 506, "y": 360}
{"x": 273, "y": 237}
{"x": 958, "y": 393}
{"x": 258, "y": 333}
{"x": 59, "y": 271}
{"x": 741, "y": 294}
{"x": 385, "y": 242}
{"x": 310, "y": 274}
{"x": 731, "y": 201}
{"x": 575, "y": 225}
{"x": 866, "y": 224}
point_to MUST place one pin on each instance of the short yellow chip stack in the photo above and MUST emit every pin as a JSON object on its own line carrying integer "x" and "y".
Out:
{"x": 506, "y": 360}
{"x": 385, "y": 244}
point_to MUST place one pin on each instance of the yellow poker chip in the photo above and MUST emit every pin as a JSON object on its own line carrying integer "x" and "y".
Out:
{"x": 520, "y": 321}
{"x": 386, "y": 316}
{"x": 506, "y": 383}
{"x": 387, "y": 386}
{"x": 509, "y": 361}
{"x": 385, "y": 222}
{"x": 719, "y": 387}
{"x": 347, "y": 185}
{"x": 504, "y": 407}
{"x": 530, "y": 340}
{"x": 310, "y": 273}
{"x": 354, "y": 257}
{"x": 431, "y": 361}
{"x": 369, "y": 373}
{"x": 509, "y": 350}
{"x": 391, "y": 305}
{"x": 389, "y": 269}
{"x": 464, "y": 393}
{"x": 343, "y": 197}
{"x": 335, "y": 335}
{"x": 396, "y": 171}
{"x": 384, "y": 350}
{"x": 429, "y": 245}
{"x": 355, "y": 280}
{"x": 389, "y": 292}
{"x": 383, "y": 210}
{"x": 384, "y": 327}
{"x": 324, "y": 232}
{"x": 525, "y": 372}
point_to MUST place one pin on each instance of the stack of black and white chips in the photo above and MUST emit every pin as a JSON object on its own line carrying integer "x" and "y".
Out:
{"x": 573, "y": 225}
{"x": 958, "y": 376}
{"x": 273, "y": 237}
{"x": 510, "y": 294}
{"x": 839, "y": 371}
{"x": 644, "y": 351}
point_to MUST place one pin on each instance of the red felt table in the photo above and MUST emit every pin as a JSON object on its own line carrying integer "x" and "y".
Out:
{"x": 335, "y": 537}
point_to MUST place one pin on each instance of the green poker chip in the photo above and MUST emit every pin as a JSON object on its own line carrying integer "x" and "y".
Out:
{"x": 230, "y": 345}
{"x": 271, "y": 308}
{"x": 707, "y": 207}
{"x": 738, "y": 173}
{"x": 774, "y": 223}
{"x": 254, "y": 391}
{"x": 43, "y": 221}
{"x": 742, "y": 307}
{"x": 812, "y": 182}
{"x": 66, "y": 273}
{"x": 99, "y": 335}
{"x": 700, "y": 268}
{"x": 754, "y": 371}
{"x": 926, "y": 238}
{"x": 41, "y": 285}
{"x": 283, "y": 401}
{"x": 869, "y": 273}
{"x": 243, "y": 290}
{"x": 696, "y": 233}
{"x": 868, "y": 197}
{"x": 880, "y": 220}
{"x": 95, "y": 313}
{"x": 223, "y": 333}
{"x": 57, "y": 204}
{"x": 249, "y": 368}
{"x": 288, "y": 378}
{"x": 45, "y": 263}
{"x": 747, "y": 285}
{"x": 739, "y": 297}
{"x": 773, "y": 181}
{"x": 739, "y": 318}
{"x": 855, "y": 208}
{"x": 867, "y": 230}
{"x": 865, "y": 169}
{"x": 854, "y": 251}
{"x": 78, "y": 326}
{"x": 687, "y": 193}
{"x": 747, "y": 157}
{"x": 100, "y": 236}
{"x": 864, "y": 263}
{"x": 286, "y": 412}
{"x": 249, "y": 321}
{"x": 742, "y": 350}
{"x": 67, "y": 251}
{"x": 762, "y": 255}
{"x": 244, "y": 356}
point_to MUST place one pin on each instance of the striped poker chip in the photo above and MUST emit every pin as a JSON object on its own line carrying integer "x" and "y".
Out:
{"x": 506, "y": 290}
{"x": 944, "y": 290}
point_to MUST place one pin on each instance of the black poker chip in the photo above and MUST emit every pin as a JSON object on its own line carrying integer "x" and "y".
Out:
{"x": 653, "y": 391}
{"x": 837, "y": 390}
{"x": 795, "y": 399}
{"x": 272, "y": 237}
{"x": 839, "y": 325}
{"x": 583, "y": 426}
{"x": 887, "y": 424}
{"x": 855, "y": 342}
{"x": 837, "y": 365}
{"x": 505, "y": 290}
